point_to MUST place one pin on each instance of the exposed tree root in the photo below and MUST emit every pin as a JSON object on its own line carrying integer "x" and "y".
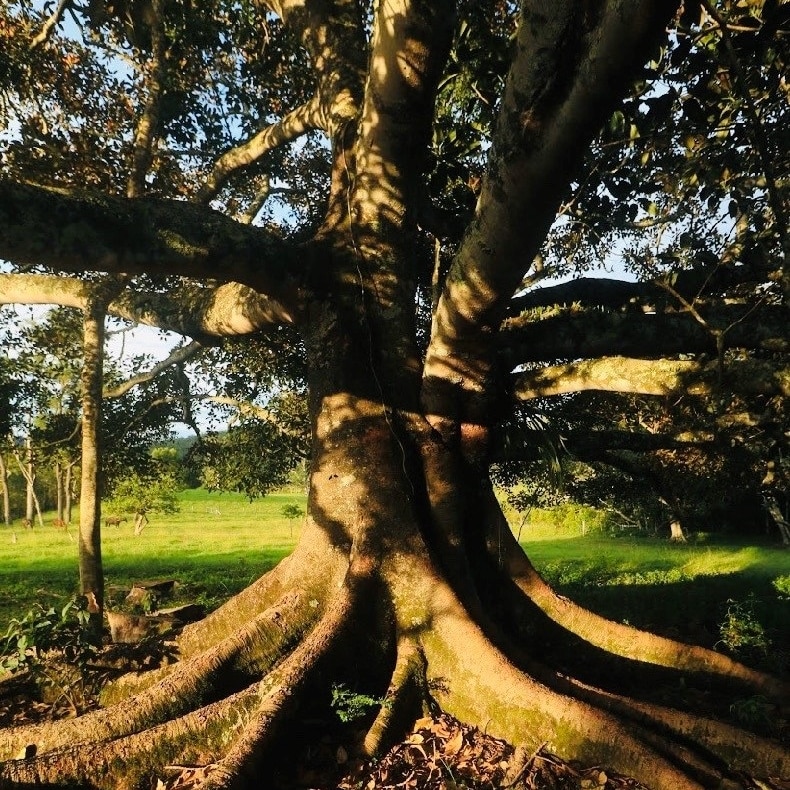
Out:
{"x": 474, "y": 681}
{"x": 202, "y": 735}
{"x": 403, "y": 695}
{"x": 281, "y": 691}
{"x": 616, "y": 638}
{"x": 735, "y": 748}
{"x": 232, "y": 733}
{"x": 213, "y": 710}
{"x": 236, "y": 661}
{"x": 292, "y": 573}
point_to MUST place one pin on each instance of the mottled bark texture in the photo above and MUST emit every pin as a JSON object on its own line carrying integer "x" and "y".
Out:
{"x": 407, "y": 582}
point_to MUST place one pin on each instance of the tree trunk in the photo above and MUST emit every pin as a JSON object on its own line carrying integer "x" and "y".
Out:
{"x": 30, "y": 491}
{"x": 407, "y": 583}
{"x": 58, "y": 473}
{"x": 90, "y": 555}
{"x": 68, "y": 489}
{"x": 4, "y": 488}
{"x": 416, "y": 574}
{"x": 776, "y": 517}
{"x": 140, "y": 520}
{"x": 676, "y": 534}
{"x": 28, "y": 470}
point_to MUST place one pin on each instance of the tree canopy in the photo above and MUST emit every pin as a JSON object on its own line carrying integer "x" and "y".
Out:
{"x": 365, "y": 196}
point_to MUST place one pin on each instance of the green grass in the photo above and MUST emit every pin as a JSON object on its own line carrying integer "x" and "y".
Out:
{"x": 682, "y": 589}
{"x": 219, "y": 543}
{"x": 214, "y": 546}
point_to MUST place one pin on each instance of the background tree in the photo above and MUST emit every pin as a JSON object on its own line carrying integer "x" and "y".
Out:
{"x": 399, "y": 283}
{"x": 153, "y": 490}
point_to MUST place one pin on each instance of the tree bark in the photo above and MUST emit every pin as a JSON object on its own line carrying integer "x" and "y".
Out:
{"x": 90, "y": 553}
{"x": 5, "y": 492}
{"x": 405, "y": 558}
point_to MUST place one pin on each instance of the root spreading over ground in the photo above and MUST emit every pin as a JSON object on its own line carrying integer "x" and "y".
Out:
{"x": 399, "y": 637}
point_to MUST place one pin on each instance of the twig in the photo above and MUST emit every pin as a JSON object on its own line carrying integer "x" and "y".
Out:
{"x": 50, "y": 24}
{"x": 524, "y": 768}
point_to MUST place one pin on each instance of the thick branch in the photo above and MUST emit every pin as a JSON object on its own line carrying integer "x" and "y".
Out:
{"x": 191, "y": 309}
{"x": 293, "y": 125}
{"x": 615, "y": 294}
{"x": 78, "y": 232}
{"x": 409, "y": 44}
{"x": 611, "y": 374}
{"x": 569, "y": 69}
{"x": 652, "y": 377}
{"x": 593, "y": 333}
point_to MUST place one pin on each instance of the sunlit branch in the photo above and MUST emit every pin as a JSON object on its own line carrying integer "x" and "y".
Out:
{"x": 409, "y": 45}
{"x": 145, "y": 134}
{"x": 178, "y": 356}
{"x": 650, "y": 377}
{"x": 293, "y": 125}
{"x": 193, "y": 310}
{"x": 52, "y": 22}
{"x": 609, "y": 374}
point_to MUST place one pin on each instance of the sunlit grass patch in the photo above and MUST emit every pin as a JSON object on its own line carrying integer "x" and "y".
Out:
{"x": 213, "y": 547}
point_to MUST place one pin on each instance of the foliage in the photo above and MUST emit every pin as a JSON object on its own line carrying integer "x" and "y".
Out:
{"x": 740, "y": 631}
{"x": 57, "y": 649}
{"x": 292, "y": 511}
{"x": 782, "y": 586}
{"x": 155, "y": 492}
{"x": 256, "y": 455}
{"x": 351, "y": 705}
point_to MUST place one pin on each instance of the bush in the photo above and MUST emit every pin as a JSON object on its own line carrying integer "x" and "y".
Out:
{"x": 741, "y": 632}
{"x": 57, "y": 650}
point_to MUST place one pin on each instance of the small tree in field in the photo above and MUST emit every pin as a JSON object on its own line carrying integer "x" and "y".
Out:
{"x": 140, "y": 494}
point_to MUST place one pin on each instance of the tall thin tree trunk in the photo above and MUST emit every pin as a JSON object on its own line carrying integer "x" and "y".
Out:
{"x": 4, "y": 489}
{"x": 30, "y": 477}
{"x": 90, "y": 556}
{"x": 68, "y": 483}
{"x": 28, "y": 470}
{"x": 58, "y": 472}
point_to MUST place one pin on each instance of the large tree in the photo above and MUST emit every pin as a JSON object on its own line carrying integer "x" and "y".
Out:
{"x": 406, "y": 557}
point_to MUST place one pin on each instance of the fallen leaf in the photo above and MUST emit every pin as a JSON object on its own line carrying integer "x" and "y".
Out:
{"x": 455, "y": 744}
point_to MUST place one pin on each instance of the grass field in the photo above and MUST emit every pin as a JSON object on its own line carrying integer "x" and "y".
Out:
{"x": 214, "y": 546}
{"x": 711, "y": 589}
{"x": 218, "y": 543}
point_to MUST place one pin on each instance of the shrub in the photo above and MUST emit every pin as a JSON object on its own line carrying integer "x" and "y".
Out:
{"x": 741, "y": 632}
{"x": 57, "y": 650}
{"x": 349, "y": 705}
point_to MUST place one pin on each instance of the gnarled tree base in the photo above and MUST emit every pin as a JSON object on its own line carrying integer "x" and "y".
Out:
{"x": 392, "y": 628}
